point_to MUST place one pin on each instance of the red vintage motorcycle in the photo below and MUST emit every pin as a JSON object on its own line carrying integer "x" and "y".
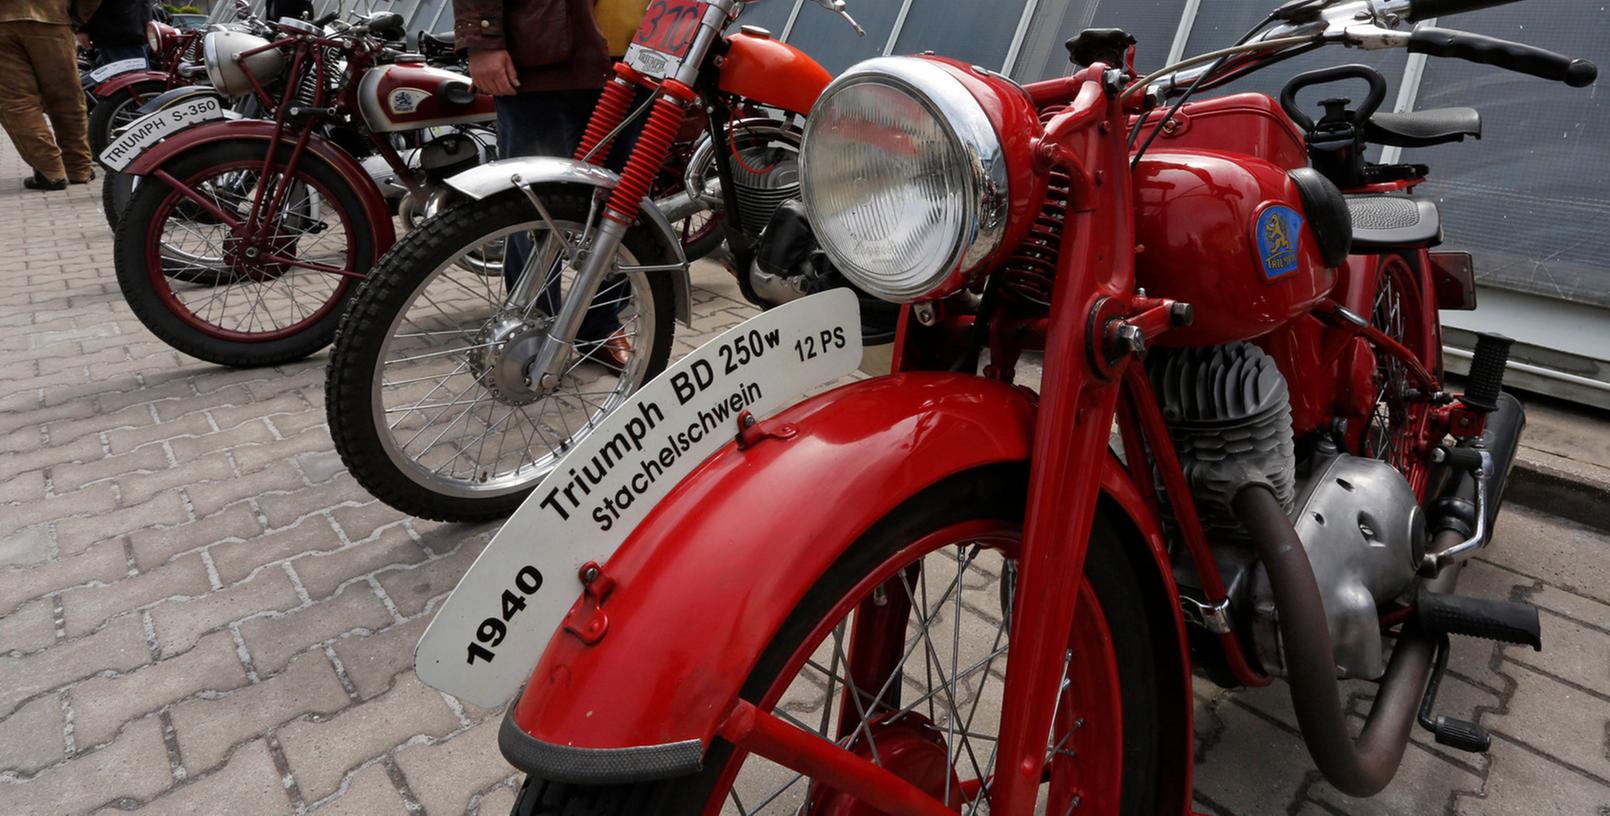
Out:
{"x": 944, "y": 591}
{"x": 245, "y": 238}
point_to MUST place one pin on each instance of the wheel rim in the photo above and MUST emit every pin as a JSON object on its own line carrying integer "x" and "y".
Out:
{"x": 951, "y": 660}
{"x": 245, "y": 301}
{"x": 1395, "y": 423}
{"x": 435, "y": 405}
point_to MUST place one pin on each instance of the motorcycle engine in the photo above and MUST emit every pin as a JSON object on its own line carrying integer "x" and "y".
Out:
{"x": 1229, "y": 414}
{"x": 766, "y": 177}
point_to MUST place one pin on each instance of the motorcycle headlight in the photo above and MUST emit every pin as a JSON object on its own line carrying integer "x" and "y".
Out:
{"x": 904, "y": 178}
{"x": 229, "y": 75}
{"x": 153, "y": 37}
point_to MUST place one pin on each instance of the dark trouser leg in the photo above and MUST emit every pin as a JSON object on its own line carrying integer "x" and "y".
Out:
{"x": 22, "y": 106}
{"x": 117, "y": 53}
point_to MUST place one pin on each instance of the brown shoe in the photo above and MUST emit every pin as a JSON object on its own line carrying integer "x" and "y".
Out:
{"x": 39, "y": 182}
{"x": 613, "y": 353}
{"x": 83, "y": 180}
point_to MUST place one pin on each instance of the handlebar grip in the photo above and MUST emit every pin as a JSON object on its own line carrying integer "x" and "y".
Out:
{"x": 1426, "y": 9}
{"x": 327, "y": 19}
{"x": 1512, "y": 56}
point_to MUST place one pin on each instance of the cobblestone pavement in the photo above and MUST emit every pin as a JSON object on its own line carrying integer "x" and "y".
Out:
{"x": 201, "y": 612}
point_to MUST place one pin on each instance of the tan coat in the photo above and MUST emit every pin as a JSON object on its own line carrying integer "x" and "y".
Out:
{"x": 55, "y": 12}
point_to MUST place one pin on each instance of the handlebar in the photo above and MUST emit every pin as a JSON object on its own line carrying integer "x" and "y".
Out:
{"x": 327, "y": 19}
{"x": 1512, "y": 56}
{"x": 1426, "y": 9}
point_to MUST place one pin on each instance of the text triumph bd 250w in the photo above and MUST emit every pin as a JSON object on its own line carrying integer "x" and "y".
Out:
{"x": 938, "y": 591}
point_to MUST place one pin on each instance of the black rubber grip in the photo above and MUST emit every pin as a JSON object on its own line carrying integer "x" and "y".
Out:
{"x": 1462, "y": 458}
{"x": 1426, "y": 9}
{"x": 1503, "y": 621}
{"x": 327, "y": 19}
{"x": 1462, "y": 735}
{"x": 1511, "y": 56}
{"x": 1487, "y": 366}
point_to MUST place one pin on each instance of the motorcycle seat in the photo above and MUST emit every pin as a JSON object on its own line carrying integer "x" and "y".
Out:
{"x": 443, "y": 40}
{"x": 1386, "y": 223}
{"x": 1423, "y": 128}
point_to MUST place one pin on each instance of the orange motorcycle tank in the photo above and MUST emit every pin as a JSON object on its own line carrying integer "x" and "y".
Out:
{"x": 409, "y": 96}
{"x": 766, "y": 71}
{"x": 1230, "y": 235}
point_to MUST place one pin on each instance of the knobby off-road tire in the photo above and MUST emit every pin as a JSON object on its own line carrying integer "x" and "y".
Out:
{"x": 988, "y": 494}
{"x": 151, "y": 293}
{"x": 421, "y": 258}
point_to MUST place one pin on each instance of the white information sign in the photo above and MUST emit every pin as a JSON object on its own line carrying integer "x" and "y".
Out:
{"x": 489, "y": 634}
{"x": 158, "y": 125}
{"x": 112, "y": 69}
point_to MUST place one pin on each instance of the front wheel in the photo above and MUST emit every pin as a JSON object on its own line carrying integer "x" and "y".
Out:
{"x": 224, "y": 278}
{"x": 117, "y": 110}
{"x": 919, "y": 606}
{"x": 427, "y": 399}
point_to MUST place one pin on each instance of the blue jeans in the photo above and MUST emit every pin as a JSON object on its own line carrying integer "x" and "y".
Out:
{"x": 551, "y": 123}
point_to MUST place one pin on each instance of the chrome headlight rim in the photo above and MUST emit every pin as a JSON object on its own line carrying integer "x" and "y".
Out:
{"x": 985, "y": 197}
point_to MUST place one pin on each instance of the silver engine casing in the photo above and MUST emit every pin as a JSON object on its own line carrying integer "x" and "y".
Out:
{"x": 1364, "y": 532}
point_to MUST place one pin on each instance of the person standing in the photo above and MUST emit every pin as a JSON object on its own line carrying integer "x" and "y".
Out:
{"x": 546, "y": 62}
{"x": 117, "y": 30}
{"x": 39, "y": 81}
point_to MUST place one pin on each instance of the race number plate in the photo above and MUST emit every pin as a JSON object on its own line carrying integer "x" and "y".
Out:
{"x": 112, "y": 69}
{"x": 666, "y": 34}
{"x": 491, "y": 631}
{"x": 153, "y": 127}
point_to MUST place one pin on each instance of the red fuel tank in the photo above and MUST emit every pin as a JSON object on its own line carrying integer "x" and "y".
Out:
{"x": 1228, "y": 234}
{"x": 410, "y": 96}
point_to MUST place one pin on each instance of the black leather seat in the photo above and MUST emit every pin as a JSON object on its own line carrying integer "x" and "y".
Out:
{"x": 444, "y": 40}
{"x": 1423, "y": 128}
{"x": 1385, "y": 223}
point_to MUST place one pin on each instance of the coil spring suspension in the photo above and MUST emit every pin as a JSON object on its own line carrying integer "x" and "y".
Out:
{"x": 318, "y": 76}
{"x": 653, "y": 146}
{"x": 608, "y": 115}
{"x": 1028, "y": 275}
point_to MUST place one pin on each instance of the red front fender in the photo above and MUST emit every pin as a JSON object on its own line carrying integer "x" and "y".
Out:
{"x": 121, "y": 81}
{"x": 713, "y": 572}
{"x": 375, "y": 209}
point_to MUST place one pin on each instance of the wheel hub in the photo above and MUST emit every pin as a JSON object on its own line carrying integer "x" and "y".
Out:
{"x": 912, "y": 748}
{"x": 504, "y": 347}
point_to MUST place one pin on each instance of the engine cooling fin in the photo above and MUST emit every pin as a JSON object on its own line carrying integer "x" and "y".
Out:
{"x": 1228, "y": 409}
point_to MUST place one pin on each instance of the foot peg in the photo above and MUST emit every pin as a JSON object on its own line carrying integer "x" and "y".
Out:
{"x": 1486, "y": 380}
{"x": 1460, "y": 735}
{"x": 1503, "y": 621}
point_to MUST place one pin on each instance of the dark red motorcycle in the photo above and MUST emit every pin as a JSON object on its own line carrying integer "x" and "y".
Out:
{"x": 120, "y": 94}
{"x": 951, "y": 590}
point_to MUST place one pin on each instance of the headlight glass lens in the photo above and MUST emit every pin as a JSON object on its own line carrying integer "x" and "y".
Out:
{"x": 153, "y": 37}
{"x": 903, "y": 178}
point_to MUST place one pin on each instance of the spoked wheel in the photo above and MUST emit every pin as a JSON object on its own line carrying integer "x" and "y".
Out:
{"x": 898, "y": 654}
{"x": 116, "y": 111}
{"x": 116, "y": 190}
{"x": 1394, "y": 425}
{"x": 428, "y": 401}
{"x": 198, "y": 277}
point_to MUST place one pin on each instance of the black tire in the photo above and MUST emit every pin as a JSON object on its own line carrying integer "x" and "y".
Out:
{"x": 116, "y": 190}
{"x": 133, "y": 273}
{"x": 114, "y": 111}
{"x": 993, "y": 494}
{"x": 705, "y": 244}
{"x": 382, "y": 299}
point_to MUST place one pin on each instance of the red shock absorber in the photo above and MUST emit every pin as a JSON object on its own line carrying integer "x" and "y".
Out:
{"x": 653, "y": 146}
{"x": 613, "y": 104}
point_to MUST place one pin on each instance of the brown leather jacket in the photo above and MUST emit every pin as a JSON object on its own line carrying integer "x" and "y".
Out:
{"x": 58, "y": 12}
{"x": 555, "y": 44}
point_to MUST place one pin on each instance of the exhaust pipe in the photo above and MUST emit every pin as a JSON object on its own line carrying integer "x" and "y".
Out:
{"x": 1365, "y": 766}
{"x": 685, "y": 205}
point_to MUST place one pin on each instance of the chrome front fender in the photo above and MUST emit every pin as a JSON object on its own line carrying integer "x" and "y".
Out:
{"x": 489, "y": 179}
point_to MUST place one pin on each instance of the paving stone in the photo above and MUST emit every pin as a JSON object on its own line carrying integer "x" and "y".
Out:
{"x": 119, "y": 646}
{"x": 360, "y": 521}
{"x": 194, "y": 475}
{"x": 228, "y": 416}
{"x": 1425, "y": 783}
{"x": 369, "y": 792}
{"x": 156, "y": 545}
{"x": 22, "y": 457}
{"x": 135, "y": 766}
{"x": 321, "y": 572}
{"x": 445, "y": 773}
{"x": 101, "y": 704}
{"x": 86, "y": 608}
{"x": 273, "y": 640}
{"x": 322, "y": 749}
{"x": 179, "y": 623}
{"x": 70, "y": 477}
{"x": 411, "y": 588}
{"x": 30, "y": 628}
{"x": 1571, "y": 652}
{"x": 285, "y": 509}
{"x": 32, "y": 737}
{"x": 22, "y": 487}
{"x": 373, "y": 662}
{"x": 129, "y": 439}
{"x": 208, "y": 727}
{"x": 234, "y": 396}
{"x": 30, "y": 545}
{"x": 248, "y": 783}
{"x": 104, "y": 561}
{"x": 1571, "y": 724}
{"x": 237, "y": 559}
{"x": 190, "y": 448}
{"x": 498, "y": 802}
{"x": 215, "y": 496}
{"x": 94, "y": 501}
{"x": 1237, "y": 773}
{"x": 1521, "y": 783}
{"x": 1564, "y": 554}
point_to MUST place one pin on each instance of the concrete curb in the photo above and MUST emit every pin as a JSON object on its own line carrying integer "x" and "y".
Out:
{"x": 1561, "y": 487}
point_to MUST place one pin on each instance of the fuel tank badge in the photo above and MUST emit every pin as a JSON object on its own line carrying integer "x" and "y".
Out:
{"x": 1279, "y": 236}
{"x": 406, "y": 100}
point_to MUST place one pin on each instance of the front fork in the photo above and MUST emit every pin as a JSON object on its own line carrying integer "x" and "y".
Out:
{"x": 591, "y": 264}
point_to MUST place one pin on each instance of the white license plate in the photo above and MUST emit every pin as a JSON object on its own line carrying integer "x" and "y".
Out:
{"x": 153, "y": 127}
{"x": 489, "y": 634}
{"x": 112, "y": 69}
